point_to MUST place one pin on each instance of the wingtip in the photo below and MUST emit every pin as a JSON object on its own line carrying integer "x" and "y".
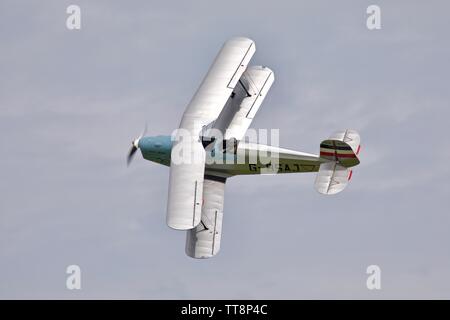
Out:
{"x": 241, "y": 39}
{"x": 176, "y": 225}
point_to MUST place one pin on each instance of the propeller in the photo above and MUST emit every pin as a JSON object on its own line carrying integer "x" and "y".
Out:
{"x": 135, "y": 146}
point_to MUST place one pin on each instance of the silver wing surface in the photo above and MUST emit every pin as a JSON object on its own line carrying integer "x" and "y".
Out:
{"x": 233, "y": 121}
{"x": 186, "y": 178}
{"x": 204, "y": 240}
{"x": 241, "y": 107}
{"x": 217, "y": 86}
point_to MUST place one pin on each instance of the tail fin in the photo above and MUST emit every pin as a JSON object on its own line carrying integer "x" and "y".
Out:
{"x": 339, "y": 152}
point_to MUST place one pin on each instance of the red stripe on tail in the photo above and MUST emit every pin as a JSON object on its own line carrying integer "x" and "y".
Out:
{"x": 339, "y": 155}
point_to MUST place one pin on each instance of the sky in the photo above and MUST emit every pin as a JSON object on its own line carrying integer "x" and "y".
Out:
{"x": 71, "y": 102}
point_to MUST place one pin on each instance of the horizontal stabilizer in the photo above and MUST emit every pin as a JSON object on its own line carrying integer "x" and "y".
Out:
{"x": 332, "y": 178}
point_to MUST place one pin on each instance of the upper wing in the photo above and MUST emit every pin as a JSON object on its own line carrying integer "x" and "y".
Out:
{"x": 185, "y": 184}
{"x": 241, "y": 107}
{"x": 204, "y": 240}
{"x": 218, "y": 84}
{"x": 186, "y": 177}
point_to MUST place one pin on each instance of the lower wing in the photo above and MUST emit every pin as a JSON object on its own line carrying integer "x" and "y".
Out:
{"x": 204, "y": 240}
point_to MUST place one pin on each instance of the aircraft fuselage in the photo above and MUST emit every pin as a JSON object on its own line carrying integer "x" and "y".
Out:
{"x": 250, "y": 158}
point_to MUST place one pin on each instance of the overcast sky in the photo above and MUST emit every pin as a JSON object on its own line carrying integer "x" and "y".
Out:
{"x": 72, "y": 101}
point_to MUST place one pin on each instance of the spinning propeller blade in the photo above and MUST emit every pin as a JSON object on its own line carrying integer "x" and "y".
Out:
{"x": 135, "y": 146}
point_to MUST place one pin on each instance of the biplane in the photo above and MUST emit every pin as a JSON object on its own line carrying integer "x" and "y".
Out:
{"x": 209, "y": 147}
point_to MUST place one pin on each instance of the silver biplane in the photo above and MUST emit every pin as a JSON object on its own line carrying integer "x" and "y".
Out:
{"x": 209, "y": 147}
